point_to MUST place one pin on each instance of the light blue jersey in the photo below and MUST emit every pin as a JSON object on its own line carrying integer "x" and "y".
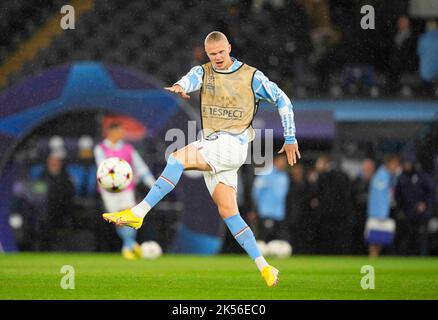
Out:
{"x": 269, "y": 194}
{"x": 427, "y": 50}
{"x": 380, "y": 194}
{"x": 263, "y": 88}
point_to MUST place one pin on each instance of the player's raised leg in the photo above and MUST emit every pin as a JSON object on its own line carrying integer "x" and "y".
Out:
{"x": 187, "y": 158}
{"x": 225, "y": 198}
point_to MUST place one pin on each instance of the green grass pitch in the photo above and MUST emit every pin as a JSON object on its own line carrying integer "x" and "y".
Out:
{"x": 234, "y": 277}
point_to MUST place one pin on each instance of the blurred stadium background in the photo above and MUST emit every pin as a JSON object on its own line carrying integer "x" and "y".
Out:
{"x": 357, "y": 94}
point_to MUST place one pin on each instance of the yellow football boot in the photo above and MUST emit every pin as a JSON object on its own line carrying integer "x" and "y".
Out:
{"x": 128, "y": 254}
{"x": 124, "y": 218}
{"x": 137, "y": 250}
{"x": 270, "y": 275}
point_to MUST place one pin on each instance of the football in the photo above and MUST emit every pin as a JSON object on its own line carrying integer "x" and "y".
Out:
{"x": 279, "y": 249}
{"x": 151, "y": 250}
{"x": 114, "y": 174}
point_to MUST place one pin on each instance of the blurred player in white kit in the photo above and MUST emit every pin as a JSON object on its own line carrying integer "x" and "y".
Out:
{"x": 114, "y": 146}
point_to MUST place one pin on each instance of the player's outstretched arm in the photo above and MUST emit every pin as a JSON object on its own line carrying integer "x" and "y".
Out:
{"x": 191, "y": 82}
{"x": 178, "y": 90}
{"x": 292, "y": 152}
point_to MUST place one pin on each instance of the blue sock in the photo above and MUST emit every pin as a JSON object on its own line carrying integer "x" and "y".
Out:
{"x": 128, "y": 236}
{"x": 166, "y": 182}
{"x": 243, "y": 234}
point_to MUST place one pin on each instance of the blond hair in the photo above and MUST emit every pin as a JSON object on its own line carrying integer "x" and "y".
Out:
{"x": 215, "y": 36}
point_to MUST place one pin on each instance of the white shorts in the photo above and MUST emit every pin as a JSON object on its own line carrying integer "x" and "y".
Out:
{"x": 225, "y": 154}
{"x": 118, "y": 201}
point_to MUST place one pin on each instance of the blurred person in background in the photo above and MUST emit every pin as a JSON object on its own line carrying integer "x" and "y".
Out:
{"x": 414, "y": 194}
{"x": 197, "y": 55}
{"x": 360, "y": 198}
{"x": 380, "y": 228}
{"x": 297, "y": 208}
{"x": 325, "y": 39}
{"x": 333, "y": 204}
{"x": 114, "y": 146}
{"x": 402, "y": 58}
{"x": 83, "y": 169}
{"x": 60, "y": 191}
{"x": 427, "y": 49}
{"x": 311, "y": 221}
{"x": 269, "y": 195}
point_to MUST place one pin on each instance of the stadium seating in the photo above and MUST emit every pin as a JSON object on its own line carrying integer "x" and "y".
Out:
{"x": 157, "y": 37}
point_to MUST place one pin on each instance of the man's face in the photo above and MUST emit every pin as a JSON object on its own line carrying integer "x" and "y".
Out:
{"x": 280, "y": 162}
{"x": 297, "y": 172}
{"x": 403, "y": 23}
{"x": 116, "y": 134}
{"x": 198, "y": 53}
{"x": 321, "y": 165}
{"x": 394, "y": 166}
{"x": 368, "y": 168}
{"x": 54, "y": 165}
{"x": 219, "y": 53}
